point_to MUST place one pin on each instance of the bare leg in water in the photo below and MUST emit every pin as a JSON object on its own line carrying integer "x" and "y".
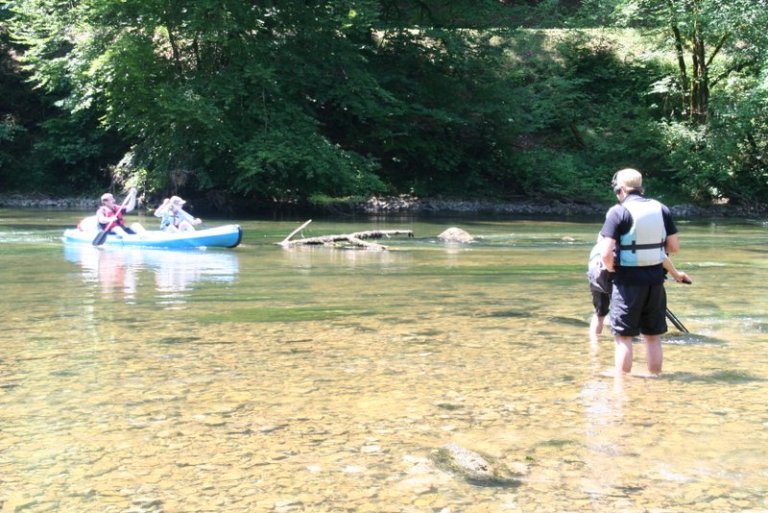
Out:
{"x": 623, "y": 354}
{"x": 595, "y": 328}
{"x": 653, "y": 353}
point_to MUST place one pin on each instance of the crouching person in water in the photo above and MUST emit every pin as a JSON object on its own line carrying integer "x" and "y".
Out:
{"x": 110, "y": 214}
{"x": 600, "y": 284}
{"x": 174, "y": 218}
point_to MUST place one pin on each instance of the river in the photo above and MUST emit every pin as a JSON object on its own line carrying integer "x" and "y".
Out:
{"x": 328, "y": 380}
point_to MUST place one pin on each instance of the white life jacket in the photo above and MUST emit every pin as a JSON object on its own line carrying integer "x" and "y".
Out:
{"x": 644, "y": 244}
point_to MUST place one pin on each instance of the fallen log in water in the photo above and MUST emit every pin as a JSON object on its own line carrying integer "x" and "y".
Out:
{"x": 356, "y": 239}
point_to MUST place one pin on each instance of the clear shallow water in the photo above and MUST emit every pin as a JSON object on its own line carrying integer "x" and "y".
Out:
{"x": 263, "y": 379}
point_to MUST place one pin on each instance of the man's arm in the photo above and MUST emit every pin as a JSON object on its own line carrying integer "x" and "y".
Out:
{"x": 672, "y": 244}
{"x": 609, "y": 235}
{"x": 162, "y": 209}
{"x": 607, "y": 249}
{"x": 132, "y": 201}
{"x": 678, "y": 276}
{"x": 186, "y": 216}
{"x": 104, "y": 216}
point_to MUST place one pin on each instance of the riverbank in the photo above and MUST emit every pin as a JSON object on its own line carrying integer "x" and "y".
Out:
{"x": 405, "y": 204}
{"x": 528, "y": 207}
{"x": 47, "y": 202}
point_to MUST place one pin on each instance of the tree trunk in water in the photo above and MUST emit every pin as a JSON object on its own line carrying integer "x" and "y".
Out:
{"x": 348, "y": 239}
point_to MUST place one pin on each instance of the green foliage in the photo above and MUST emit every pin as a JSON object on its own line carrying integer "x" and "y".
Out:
{"x": 45, "y": 148}
{"x": 591, "y": 117}
{"x": 478, "y": 14}
{"x": 294, "y": 100}
{"x": 293, "y": 163}
{"x": 714, "y": 138}
{"x": 727, "y": 160}
{"x": 208, "y": 98}
{"x": 439, "y": 128}
{"x": 10, "y": 132}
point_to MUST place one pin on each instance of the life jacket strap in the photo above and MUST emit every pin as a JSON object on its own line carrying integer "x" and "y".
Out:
{"x": 634, "y": 247}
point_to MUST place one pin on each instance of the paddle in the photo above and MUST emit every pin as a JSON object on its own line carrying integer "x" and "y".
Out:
{"x": 673, "y": 318}
{"x": 101, "y": 237}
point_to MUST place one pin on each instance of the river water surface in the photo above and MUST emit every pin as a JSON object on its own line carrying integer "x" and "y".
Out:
{"x": 326, "y": 380}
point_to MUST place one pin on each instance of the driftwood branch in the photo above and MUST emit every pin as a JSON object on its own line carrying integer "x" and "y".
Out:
{"x": 356, "y": 239}
{"x": 294, "y": 232}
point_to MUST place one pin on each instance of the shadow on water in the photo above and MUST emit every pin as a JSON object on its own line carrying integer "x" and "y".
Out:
{"x": 567, "y": 321}
{"x": 556, "y": 443}
{"x": 177, "y": 340}
{"x": 678, "y": 338}
{"x": 726, "y": 376}
{"x": 517, "y": 314}
{"x": 506, "y": 313}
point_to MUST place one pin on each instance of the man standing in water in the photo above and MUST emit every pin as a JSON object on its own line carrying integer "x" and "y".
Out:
{"x": 637, "y": 235}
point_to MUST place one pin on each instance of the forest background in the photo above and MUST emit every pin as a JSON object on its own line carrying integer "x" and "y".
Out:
{"x": 240, "y": 102}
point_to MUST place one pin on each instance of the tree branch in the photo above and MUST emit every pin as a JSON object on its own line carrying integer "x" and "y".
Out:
{"x": 356, "y": 239}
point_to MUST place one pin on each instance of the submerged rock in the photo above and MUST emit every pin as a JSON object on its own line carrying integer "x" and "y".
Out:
{"x": 475, "y": 468}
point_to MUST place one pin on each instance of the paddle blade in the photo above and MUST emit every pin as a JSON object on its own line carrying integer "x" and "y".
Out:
{"x": 101, "y": 237}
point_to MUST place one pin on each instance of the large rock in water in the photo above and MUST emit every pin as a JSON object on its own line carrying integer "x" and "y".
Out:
{"x": 475, "y": 468}
{"x": 454, "y": 234}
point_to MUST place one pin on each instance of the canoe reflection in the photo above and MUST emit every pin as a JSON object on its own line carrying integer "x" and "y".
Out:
{"x": 119, "y": 269}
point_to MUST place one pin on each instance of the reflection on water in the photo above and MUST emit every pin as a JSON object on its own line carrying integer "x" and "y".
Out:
{"x": 316, "y": 380}
{"x": 312, "y": 256}
{"x": 175, "y": 272}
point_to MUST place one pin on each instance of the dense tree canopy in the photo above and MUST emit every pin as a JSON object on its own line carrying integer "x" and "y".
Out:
{"x": 716, "y": 133}
{"x": 293, "y": 100}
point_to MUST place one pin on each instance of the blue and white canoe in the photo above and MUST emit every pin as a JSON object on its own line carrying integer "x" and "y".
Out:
{"x": 227, "y": 236}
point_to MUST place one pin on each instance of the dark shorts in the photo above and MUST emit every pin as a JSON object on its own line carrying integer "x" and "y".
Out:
{"x": 602, "y": 302}
{"x": 638, "y": 309}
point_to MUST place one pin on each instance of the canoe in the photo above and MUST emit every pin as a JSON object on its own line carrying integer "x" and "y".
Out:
{"x": 227, "y": 236}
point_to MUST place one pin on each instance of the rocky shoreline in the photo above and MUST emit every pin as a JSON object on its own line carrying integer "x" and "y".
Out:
{"x": 406, "y": 204}
{"x": 47, "y": 202}
{"x": 524, "y": 207}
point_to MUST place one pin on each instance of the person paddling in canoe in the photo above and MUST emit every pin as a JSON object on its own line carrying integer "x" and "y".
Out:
{"x": 173, "y": 216}
{"x": 110, "y": 215}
